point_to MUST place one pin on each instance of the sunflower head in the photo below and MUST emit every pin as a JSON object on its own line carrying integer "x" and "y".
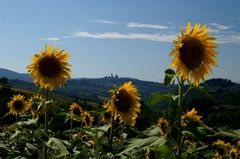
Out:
{"x": 234, "y": 152}
{"x": 35, "y": 103}
{"x": 18, "y": 105}
{"x": 125, "y": 103}
{"x": 49, "y": 68}
{"x": 194, "y": 53}
{"x": 163, "y": 124}
{"x": 77, "y": 111}
{"x": 191, "y": 115}
{"x": 106, "y": 117}
{"x": 88, "y": 119}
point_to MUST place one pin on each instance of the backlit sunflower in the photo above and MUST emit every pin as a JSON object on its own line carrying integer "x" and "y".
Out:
{"x": 88, "y": 119}
{"x": 163, "y": 124}
{"x": 191, "y": 115}
{"x": 17, "y": 105}
{"x": 125, "y": 103}
{"x": 49, "y": 68}
{"x": 77, "y": 111}
{"x": 106, "y": 117}
{"x": 194, "y": 53}
{"x": 36, "y": 105}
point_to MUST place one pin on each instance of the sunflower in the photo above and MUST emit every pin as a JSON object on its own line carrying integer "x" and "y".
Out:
{"x": 192, "y": 115}
{"x": 76, "y": 110}
{"x": 163, "y": 124}
{"x": 150, "y": 154}
{"x": 194, "y": 53}
{"x": 88, "y": 119}
{"x": 106, "y": 117}
{"x": 222, "y": 148}
{"x": 50, "y": 68}
{"x": 17, "y": 105}
{"x": 234, "y": 153}
{"x": 36, "y": 105}
{"x": 125, "y": 103}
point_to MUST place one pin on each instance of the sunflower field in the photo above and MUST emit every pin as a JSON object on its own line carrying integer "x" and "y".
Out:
{"x": 37, "y": 126}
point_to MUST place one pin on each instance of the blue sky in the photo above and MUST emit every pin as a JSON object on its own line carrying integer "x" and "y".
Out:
{"x": 128, "y": 38}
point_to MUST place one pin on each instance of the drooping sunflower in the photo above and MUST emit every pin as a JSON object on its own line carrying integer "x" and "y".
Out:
{"x": 125, "y": 103}
{"x": 191, "y": 115}
{"x": 77, "y": 111}
{"x": 35, "y": 103}
{"x": 49, "y": 68}
{"x": 18, "y": 105}
{"x": 106, "y": 118}
{"x": 163, "y": 124}
{"x": 194, "y": 53}
{"x": 88, "y": 119}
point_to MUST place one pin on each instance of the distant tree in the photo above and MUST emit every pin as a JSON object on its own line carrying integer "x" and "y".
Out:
{"x": 4, "y": 80}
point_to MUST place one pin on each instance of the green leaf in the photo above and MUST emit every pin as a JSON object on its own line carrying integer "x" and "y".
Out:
{"x": 170, "y": 76}
{"x": 104, "y": 128}
{"x": 17, "y": 132}
{"x": 152, "y": 131}
{"x": 169, "y": 72}
{"x": 34, "y": 148}
{"x": 29, "y": 122}
{"x": 140, "y": 143}
{"x": 4, "y": 146}
{"x": 158, "y": 97}
{"x": 57, "y": 145}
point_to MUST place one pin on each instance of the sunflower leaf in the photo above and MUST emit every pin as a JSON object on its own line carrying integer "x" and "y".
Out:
{"x": 15, "y": 134}
{"x": 29, "y": 122}
{"x": 158, "y": 97}
{"x": 140, "y": 143}
{"x": 170, "y": 76}
{"x": 57, "y": 145}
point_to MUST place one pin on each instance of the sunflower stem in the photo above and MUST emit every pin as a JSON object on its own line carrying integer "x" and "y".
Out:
{"x": 179, "y": 113}
{"x": 111, "y": 135}
{"x": 71, "y": 136}
{"x": 96, "y": 153}
{"x": 45, "y": 125}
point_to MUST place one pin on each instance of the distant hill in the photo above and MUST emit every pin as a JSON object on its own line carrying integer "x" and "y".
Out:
{"x": 96, "y": 89}
{"x": 87, "y": 88}
{"x": 14, "y": 75}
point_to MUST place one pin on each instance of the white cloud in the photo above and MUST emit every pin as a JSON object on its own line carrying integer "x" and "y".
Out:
{"x": 104, "y": 21}
{"x": 116, "y": 35}
{"x": 52, "y": 39}
{"x": 147, "y": 26}
{"x": 229, "y": 39}
{"x": 214, "y": 31}
{"x": 219, "y": 26}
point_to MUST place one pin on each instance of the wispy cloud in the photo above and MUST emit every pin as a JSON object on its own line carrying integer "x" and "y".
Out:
{"x": 104, "y": 21}
{"x": 214, "y": 31}
{"x": 51, "y": 39}
{"x": 219, "y": 26}
{"x": 116, "y": 35}
{"x": 146, "y": 26}
{"x": 229, "y": 39}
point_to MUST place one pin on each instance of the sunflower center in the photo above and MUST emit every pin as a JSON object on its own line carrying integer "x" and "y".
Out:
{"x": 77, "y": 111}
{"x": 18, "y": 105}
{"x": 87, "y": 118}
{"x": 49, "y": 66}
{"x": 192, "y": 53}
{"x": 107, "y": 115}
{"x": 163, "y": 126}
{"x": 123, "y": 101}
